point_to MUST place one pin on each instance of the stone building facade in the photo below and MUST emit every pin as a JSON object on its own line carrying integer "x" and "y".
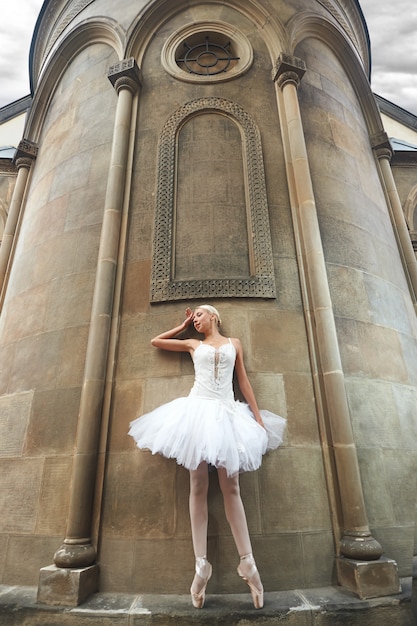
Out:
{"x": 229, "y": 152}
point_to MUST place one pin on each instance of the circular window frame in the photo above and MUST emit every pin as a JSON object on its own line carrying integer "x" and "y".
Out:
{"x": 241, "y": 46}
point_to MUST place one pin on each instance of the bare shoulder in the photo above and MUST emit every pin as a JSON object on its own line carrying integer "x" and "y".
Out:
{"x": 237, "y": 344}
{"x": 192, "y": 344}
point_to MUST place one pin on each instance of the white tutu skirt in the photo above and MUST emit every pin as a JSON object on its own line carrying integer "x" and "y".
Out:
{"x": 195, "y": 429}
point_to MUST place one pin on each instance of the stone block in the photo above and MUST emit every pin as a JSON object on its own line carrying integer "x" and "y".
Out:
{"x": 369, "y": 579}
{"x": 21, "y": 479}
{"x": 318, "y": 553}
{"x": 15, "y": 411}
{"x": 361, "y": 346}
{"x": 398, "y": 543}
{"x": 164, "y": 389}
{"x": 136, "y": 357}
{"x": 36, "y": 362}
{"x": 25, "y": 555}
{"x": 302, "y": 425}
{"x": 163, "y": 566}
{"x": 54, "y": 496}
{"x": 279, "y": 342}
{"x": 136, "y": 287}
{"x": 29, "y": 312}
{"x": 72, "y": 356}
{"x": 117, "y": 558}
{"x": 46, "y": 223}
{"x": 304, "y": 476}
{"x": 53, "y": 422}
{"x": 66, "y": 587}
{"x": 139, "y": 500}
{"x": 71, "y": 301}
{"x": 127, "y": 406}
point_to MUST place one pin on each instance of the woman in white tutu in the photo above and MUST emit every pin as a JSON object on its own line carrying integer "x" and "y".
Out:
{"x": 209, "y": 427}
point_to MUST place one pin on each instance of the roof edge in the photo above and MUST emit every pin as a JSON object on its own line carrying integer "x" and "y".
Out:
{"x": 396, "y": 112}
{"x": 15, "y": 108}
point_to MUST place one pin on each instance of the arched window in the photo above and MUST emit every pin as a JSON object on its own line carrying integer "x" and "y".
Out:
{"x": 212, "y": 236}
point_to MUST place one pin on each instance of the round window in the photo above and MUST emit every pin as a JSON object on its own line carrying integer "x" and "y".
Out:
{"x": 207, "y": 52}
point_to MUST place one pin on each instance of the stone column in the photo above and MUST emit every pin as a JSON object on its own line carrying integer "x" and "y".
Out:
{"x": 382, "y": 148}
{"x": 357, "y": 547}
{"x": 24, "y": 157}
{"x": 74, "y": 575}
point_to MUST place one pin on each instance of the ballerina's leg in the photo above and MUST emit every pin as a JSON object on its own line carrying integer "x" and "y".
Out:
{"x": 236, "y": 516}
{"x": 199, "y": 482}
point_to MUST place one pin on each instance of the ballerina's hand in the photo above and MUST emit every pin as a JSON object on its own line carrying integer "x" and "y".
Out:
{"x": 189, "y": 317}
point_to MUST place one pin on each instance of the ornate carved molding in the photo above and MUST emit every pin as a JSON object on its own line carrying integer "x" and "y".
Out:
{"x": 338, "y": 16}
{"x": 25, "y": 154}
{"x": 126, "y": 74}
{"x": 67, "y": 19}
{"x": 288, "y": 69}
{"x": 262, "y": 283}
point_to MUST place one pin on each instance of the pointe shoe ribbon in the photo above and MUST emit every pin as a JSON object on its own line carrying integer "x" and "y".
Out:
{"x": 203, "y": 570}
{"x": 249, "y": 572}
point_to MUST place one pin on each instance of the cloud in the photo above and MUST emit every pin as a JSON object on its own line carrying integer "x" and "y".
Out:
{"x": 392, "y": 30}
{"x": 18, "y": 19}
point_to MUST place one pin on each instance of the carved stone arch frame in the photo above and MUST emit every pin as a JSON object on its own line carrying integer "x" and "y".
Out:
{"x": 261, "y": 282}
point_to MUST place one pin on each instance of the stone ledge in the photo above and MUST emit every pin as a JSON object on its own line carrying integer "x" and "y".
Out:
{"x": 329, "y": 606}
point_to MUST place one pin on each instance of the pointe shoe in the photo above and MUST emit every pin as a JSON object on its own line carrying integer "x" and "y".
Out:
{"x": 249, "y": 573}
{"x": 203, "y": 570}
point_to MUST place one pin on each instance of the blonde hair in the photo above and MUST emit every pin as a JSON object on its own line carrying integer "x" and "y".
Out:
{"x": 212, "y": 310}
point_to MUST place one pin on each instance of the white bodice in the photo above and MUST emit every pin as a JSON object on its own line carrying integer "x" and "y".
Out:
{"x": 213, "y": 368}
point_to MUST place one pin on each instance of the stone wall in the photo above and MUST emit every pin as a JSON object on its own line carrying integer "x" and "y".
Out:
{"x": 297, "y": 503}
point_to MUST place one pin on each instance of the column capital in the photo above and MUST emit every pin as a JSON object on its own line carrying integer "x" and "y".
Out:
{"x": 381, "y": 145}
{"x": 288, "y": 69}
{"x": 26, "y": 152}
{"x": 125, "y": 74}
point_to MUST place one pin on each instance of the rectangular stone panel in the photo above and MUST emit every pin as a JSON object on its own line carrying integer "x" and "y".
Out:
{"x": 135, "y": 504}
{"x": 127, "y": 405}
{"x": 152, "y": 555}
{"x": 21, "y": 480}
{"x": 25, "y": 557}
{"x": 302, "y": 420}
{"x": 361, "y": 346}
{"x": 72, "y": 356}
{"x": 54, "y": 496}
{"x": 376, "y": 489}
{"x": 299, "y": 502}
{"x": 374, "y": 413}
{"x": 279, "y": 342}
{"x": 164, "y": 389}
{"x": 36, "y": 362}
{"x": 117, "y": 561}
{"x": 318, "y": 553}
{"x": 29, "y": 312}
{"x": 53, "y": 422}
{"x": 15, "y": 412}
{"x": 136, "y": 357}
{"x": 398, "y": 545}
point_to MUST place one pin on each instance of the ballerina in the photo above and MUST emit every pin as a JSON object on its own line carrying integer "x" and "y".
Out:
{"x": 210, "y": 428}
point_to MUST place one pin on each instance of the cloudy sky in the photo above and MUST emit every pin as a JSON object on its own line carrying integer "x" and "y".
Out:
{"x": 392, "y": 27}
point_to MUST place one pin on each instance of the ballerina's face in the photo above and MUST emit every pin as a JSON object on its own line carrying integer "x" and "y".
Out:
{"x": 203, "y": 320}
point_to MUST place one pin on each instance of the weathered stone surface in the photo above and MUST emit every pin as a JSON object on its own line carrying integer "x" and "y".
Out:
{"x": 12, "y": 431}
{"x": 141, "y": 516}
{"x": 369, "y": 579}
{"x": 66, "y": 587}
{"x": 321, "y": 607}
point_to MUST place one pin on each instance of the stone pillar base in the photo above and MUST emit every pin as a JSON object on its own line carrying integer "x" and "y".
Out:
{"x": 60, "y": 586}
{"x": 369, "y": 579}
